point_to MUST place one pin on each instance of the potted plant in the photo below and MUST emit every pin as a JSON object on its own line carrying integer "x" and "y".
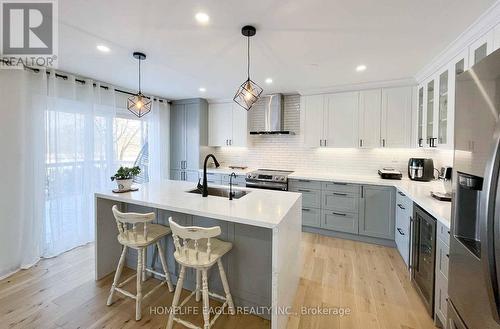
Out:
{"x": 124, "y": 177}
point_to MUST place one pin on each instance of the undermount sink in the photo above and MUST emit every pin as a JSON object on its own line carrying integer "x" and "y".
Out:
{"x": 222, "y": 192}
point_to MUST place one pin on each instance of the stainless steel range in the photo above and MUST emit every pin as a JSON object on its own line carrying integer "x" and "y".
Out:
{"x": 268, "y": 179}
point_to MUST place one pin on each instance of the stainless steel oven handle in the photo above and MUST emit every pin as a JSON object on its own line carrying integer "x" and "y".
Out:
{"x": 489, "y": 233}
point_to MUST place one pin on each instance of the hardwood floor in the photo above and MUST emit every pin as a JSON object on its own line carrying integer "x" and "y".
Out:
{"x": 368, "y": 281}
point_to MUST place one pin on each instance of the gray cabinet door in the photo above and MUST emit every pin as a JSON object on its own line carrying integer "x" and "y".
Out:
{"x": 311, "y": 217}
{"x": 339, "y": 221}
{"x": 377, "y": 212}
{"x": 177, "y": 136}
{"x": 193, "y": 117}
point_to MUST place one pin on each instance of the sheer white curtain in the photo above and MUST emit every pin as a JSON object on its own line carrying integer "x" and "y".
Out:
{"x": 80, "y": 159}
{"x": 23, "y": 170}
{"x": 158, "y": 136}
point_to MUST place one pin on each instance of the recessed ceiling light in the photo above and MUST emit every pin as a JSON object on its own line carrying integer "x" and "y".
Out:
{"x": 269, "y": 80}
{"x": 202, "y": 89}
{"x": 103, "y": 48}
{"x": 202, "y": 18}
{"x": 360, "y": 68}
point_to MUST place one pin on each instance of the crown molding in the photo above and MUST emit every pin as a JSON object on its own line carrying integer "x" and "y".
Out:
{"x": 360, "y": 86}
{"x": 485, "y": 23}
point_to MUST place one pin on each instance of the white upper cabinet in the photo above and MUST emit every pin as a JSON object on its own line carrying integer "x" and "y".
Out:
{"x": 342, "y": 120}
{"x": 370, "y": 111}
{"x": 496, "y": 37}
{"x": 313, "y": 108}
{"x": 396, "y": 117}
{"x": 227, "y": 125}
{"x": 421, "y": 107}
{"x": 481, "y": 48}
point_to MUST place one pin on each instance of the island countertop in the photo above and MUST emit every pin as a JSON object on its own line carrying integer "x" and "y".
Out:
{"x": 261, "y": 208}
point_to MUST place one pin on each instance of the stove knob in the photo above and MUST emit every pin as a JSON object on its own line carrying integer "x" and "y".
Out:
{"x": 283, "y": 178}
{"x": 249, "y": 176}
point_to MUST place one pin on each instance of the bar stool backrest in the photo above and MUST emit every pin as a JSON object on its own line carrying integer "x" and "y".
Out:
{"x": 195, "y": 234}
{"x": 127, "y": 223}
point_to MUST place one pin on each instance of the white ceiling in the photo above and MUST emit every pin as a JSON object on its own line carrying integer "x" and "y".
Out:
{"x": 301, "y": 44}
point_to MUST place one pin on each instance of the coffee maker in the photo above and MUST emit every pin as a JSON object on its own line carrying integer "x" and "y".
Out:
{"x": 420, "y": 169}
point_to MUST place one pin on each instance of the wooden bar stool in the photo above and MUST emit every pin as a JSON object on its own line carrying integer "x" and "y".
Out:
{"x": 139, "y": 238}
{"x": 200, "y": 250}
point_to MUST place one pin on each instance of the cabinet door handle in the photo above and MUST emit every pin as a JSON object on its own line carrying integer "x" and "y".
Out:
{"x": 401, "y": 207}
{"x": 400, "y": 231}
{"x": 339, "y": 214}
{"x": 305, "y": 209}
{"x": 304, "y": 180}
{"x": 340, "y": 194}
{"x": 383, "y": 142}
{"x": 360, "y": 143}
{"x": 420, "y": 140}
{"x": 230, "y": 142}
{"x": 325, "y": 142}
{"x": 335, "y": 183}
{"x": 320, "y": 142}
{"x": 362, "y": 192}
{"x": 401, "y": 193}
{"x": 303, "y": 190}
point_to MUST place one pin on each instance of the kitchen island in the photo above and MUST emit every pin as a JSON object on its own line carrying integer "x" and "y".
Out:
{"x": 263, "y": 268}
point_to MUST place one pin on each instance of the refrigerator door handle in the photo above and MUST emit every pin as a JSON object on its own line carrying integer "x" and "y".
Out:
{"x": 490, "y": 233}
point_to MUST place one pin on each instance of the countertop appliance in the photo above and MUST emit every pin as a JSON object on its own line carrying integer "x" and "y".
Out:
{"x": 390, "y": 173}
{"x": 421, "y": 169}
{"x": 269, "y": 179}
{"x": 424, "y": 255}
{"x": 270, "y": 119}
{"x": 474, "y": 267}
{"x": 445, "y": 175}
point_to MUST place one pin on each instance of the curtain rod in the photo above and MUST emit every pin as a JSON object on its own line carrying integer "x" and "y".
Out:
{"x": 65, "y": 77}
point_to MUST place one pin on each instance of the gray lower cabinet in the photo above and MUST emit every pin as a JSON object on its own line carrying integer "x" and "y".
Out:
{"x": 339, "y": 221}
{"x": 311, "y": 217}
{"x": 377, "y": 211}
{"x": 188, "y": 131}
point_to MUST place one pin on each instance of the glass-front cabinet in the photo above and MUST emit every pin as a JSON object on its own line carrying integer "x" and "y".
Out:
{"x": 436, "y": 105}
{"x": 420, "y": 109}
{"x": 430, "y": 136}
{"x": 443, "y": 108}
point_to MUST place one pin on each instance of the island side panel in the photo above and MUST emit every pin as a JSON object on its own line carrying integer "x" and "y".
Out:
{"x": 286, "y": 264}
{"x": 107, "y": 249}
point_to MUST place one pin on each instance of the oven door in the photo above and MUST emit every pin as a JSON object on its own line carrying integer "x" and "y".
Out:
{"x": 267, "y": 185}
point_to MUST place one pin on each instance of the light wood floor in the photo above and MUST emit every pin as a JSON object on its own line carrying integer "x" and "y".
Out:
{"x": 369, "y": 280}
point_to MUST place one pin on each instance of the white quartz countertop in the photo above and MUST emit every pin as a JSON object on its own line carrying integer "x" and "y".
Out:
{"x": 419, "y": 192}
{"x": 261, "y": 208}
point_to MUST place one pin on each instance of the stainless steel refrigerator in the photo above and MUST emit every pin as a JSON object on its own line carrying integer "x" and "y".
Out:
{"x": 474, "y": 271}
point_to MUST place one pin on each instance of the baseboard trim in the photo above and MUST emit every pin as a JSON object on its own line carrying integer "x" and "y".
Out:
{"x": 348, "y": 236}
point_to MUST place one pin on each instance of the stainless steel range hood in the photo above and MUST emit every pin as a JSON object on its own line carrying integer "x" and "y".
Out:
{"x": 272, "y": 123}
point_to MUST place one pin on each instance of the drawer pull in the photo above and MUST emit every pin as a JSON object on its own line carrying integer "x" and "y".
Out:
{"x": 401, "y": 193}
{"x": 341, "y": 194}
{"x": 401, "y": 207}
{"x": 304, "y": 181}
{"x": 303, "y": 190}
{"x": 335, "y": 183}
{"x": 400, "y": 231}
{"x": 448, "y": 255}
{"x": 448, "y": 232}
{"x": 305, "y": 209}
{"x": 339, "y": 214}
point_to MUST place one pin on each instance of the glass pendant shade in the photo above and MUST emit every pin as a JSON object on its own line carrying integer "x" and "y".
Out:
{"x": 248, "y": 93}
{"x": 139, "y": 104}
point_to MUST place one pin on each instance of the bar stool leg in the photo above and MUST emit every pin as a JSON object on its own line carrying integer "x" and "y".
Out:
{"x": 164, "y": 266}
{"x": 144, "y": 255}
{"x": 177, "y": 295}
{"x": 225, "y": 284}
{"x": 118, "y": 274}
{"x": 206, "y": 306}
{"x": 138, "y": 297}
{"x": 198, "y": 285}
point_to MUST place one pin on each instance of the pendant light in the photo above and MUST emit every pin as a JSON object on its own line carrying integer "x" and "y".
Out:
{"x": 139, "y": 104}
{"x": 249, "y": 92}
